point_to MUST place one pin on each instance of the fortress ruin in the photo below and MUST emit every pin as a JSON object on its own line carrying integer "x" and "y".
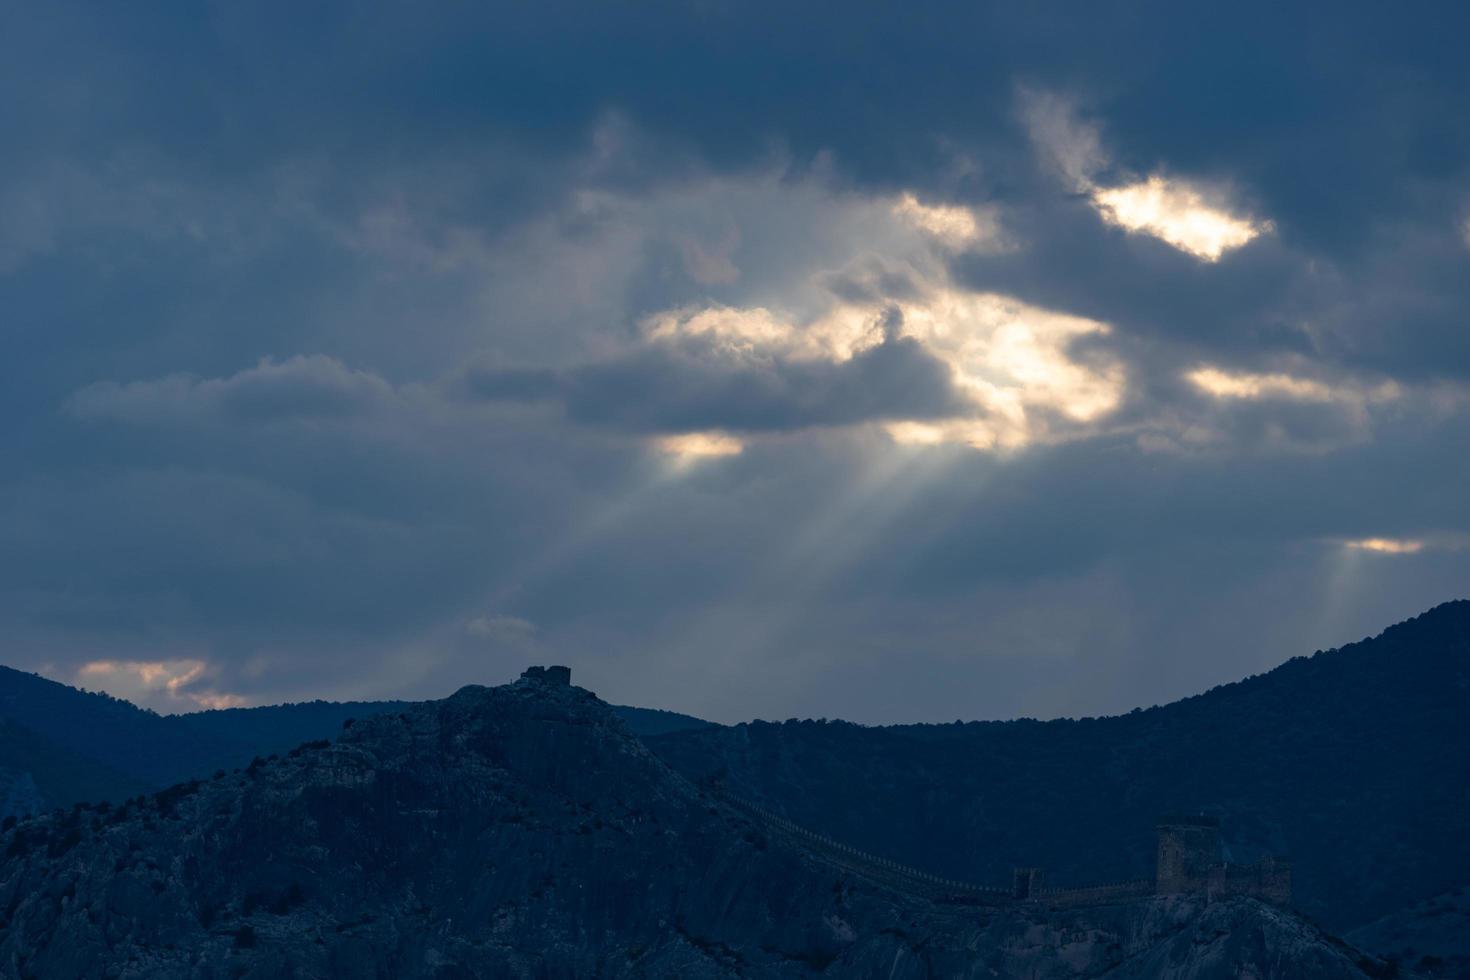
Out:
{"x": 1190, "y": 862}
{"x": 553, "y": 676}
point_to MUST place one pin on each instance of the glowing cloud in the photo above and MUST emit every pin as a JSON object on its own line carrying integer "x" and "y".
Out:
{"x": 1012, "y": 359}
{"x": 1018, "y": 365}
{"x": 1169, "y": 209}
{"x": 692, "y": 446}
{"x": 966, "y": 432}
{"x": 1177, "y": 214}
{"x": 735, "y": 329}
{"x": 1222, "y": 384}
{"x": 1246, "y": 385}
{"x": 1387, "y": 546}
{"x": 918, "y": 433}
{"x": 953, "y": 226}
{"x": 179, "y": 684}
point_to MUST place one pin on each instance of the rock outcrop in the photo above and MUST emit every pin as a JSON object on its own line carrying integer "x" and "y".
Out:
{"x": 522, "y": 831}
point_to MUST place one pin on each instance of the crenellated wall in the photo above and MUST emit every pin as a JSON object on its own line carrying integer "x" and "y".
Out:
{"x": 1120, "y": 891}
{"x": 1268, "y": 879}
{"x": 1188, "y": 863}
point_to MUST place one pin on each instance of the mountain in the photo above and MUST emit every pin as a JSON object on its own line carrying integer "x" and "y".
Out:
{"x": 1432, "y": 937}
{"x": 655, "y": 721}
{"x": 524, "y": 831}
{"x": 37, "y": 773}
{"x": 108, "y": 731}
{"x": 1352, "y": 762}
{"x": 277, "y": 728}
{"x": 284, "y": 726}
{"x": 79, "y": 746}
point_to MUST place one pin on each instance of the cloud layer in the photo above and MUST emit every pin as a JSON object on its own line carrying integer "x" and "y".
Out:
{"x": 1000, "y": 360}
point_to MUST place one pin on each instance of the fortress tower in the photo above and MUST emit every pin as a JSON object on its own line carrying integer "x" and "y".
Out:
{"x": 1189, "y": 846}
{"x": 1190, "y": 861}
{"x": 553, "y": 676}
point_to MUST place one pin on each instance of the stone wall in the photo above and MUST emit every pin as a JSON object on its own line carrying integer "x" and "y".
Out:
{"x": 1189, "y": 863}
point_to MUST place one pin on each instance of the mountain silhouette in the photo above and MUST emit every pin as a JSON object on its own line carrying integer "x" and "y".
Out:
{"x": 79, "y": 746}
{"x": 524, "y": 831}
{"x": 1351, "y": 762}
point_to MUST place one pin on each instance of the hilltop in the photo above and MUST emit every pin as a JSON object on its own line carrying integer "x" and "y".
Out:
{"x": 60, "y": 745}
{"x": 1351, "y": 762}
{"x": 524, "y": 831}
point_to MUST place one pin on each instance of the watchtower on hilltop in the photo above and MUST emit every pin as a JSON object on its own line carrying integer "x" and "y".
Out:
{"x": 553, "y": 676}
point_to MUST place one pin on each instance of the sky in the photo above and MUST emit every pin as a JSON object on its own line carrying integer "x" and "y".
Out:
{"x": 891, "y": 362}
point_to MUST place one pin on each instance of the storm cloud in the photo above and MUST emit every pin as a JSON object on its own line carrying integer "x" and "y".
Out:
{"x": 968, "y": 360}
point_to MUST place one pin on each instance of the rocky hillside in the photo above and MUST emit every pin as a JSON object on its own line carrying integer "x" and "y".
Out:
{"x": 1432, "y": 937}
{"x": 60, "y": 745}
{"x": 523, "y": 831}
{"x": 1351, "y": 762}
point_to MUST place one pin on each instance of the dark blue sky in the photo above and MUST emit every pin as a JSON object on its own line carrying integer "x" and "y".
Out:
{"x": 890, "y": 362}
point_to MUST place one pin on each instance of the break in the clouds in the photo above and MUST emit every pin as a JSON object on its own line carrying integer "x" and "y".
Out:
{"x": 1194, "y": 218}
{"x": 998, "y": 361}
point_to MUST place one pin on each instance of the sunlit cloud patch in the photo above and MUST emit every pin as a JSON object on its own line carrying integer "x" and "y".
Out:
{"x": 1178, "y": 215}
{"x": 689, "y": 447}
{"x": 952, "y": 225}
{"x": 1011, "y": 360}
{"x": 1245, "y": 385}
{"x": 1170, "y": 209}
{"x": 171, "y": 685}
{"x": 1387, "y": 546}
{"x": 1014, "y": 358}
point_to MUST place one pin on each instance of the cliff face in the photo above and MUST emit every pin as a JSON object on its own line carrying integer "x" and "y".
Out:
{"x": 522, "y": 831}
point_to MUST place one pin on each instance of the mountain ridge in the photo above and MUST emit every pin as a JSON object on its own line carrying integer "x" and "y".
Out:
{"x": 1350, "y": 760}
{"x": 116, "y": 749}
{"x": 523, "y": 830}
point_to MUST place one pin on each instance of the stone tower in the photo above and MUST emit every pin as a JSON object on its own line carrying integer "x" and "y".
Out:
{"x": 553, "y": 676}
{"x": 1189, "y": 846}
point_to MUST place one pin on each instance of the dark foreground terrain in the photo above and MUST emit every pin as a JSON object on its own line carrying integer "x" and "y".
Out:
{"x": 1353, "y": 762}
{"x": 524, "y": 831}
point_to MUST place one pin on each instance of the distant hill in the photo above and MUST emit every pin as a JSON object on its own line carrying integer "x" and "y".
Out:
{"x": 283, "y": 726}
{"x": 280, "y": 727}
{"x": 654, "y": 721}
{"x": 522, "y": 831}
{"x": 1351, "y": 762}
{"x": 114, "y": 733}
{"x": 37, "y": 773}
{"x": 77, "y": 746}
{"x": 1431, "y": 938}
